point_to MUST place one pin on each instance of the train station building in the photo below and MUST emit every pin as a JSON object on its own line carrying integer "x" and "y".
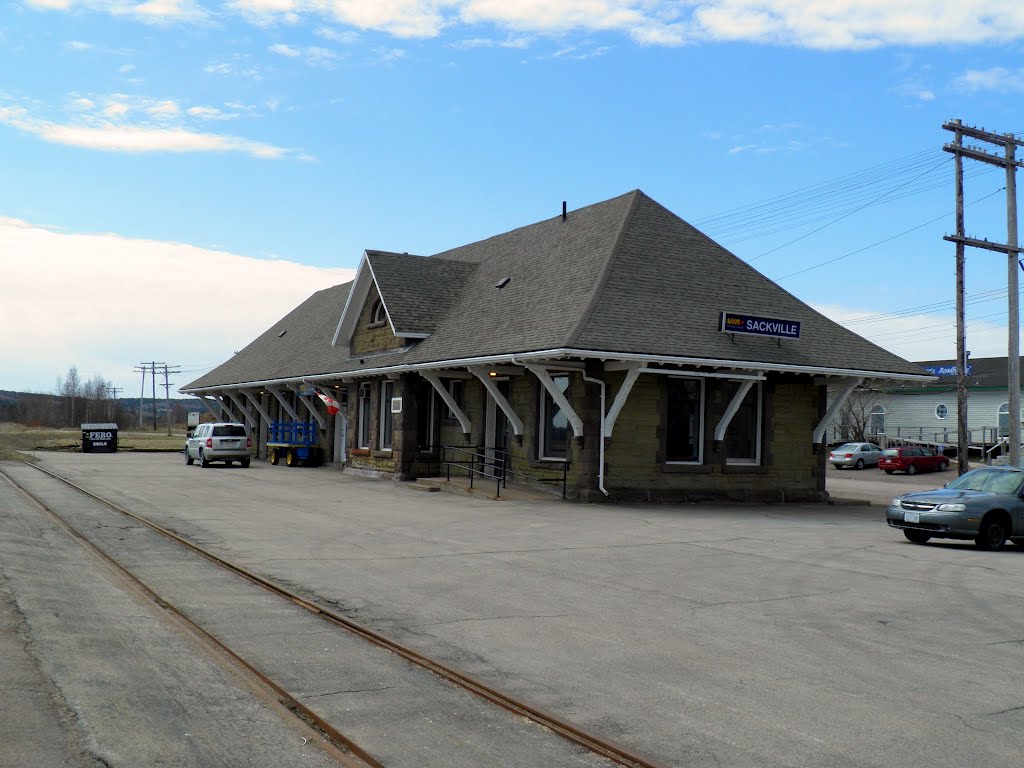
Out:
{"x": 614, "y": 349}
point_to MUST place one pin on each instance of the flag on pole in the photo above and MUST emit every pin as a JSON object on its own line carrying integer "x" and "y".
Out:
{"x": 330, "y": 402}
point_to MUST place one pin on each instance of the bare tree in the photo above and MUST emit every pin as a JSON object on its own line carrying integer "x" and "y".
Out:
{"x": 69, "y": 389}
{"x": 858, "y": 419}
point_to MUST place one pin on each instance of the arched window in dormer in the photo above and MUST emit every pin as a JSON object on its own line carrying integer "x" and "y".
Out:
{"x": 377, "y": 314}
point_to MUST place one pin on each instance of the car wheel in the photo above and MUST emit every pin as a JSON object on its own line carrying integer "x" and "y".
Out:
{"x": 889, "y": 471}
{"x": 189, "y": 461}
{"x": 203, "y": 461}
{"x": 859, "y": 464}
{"x": 992, "y": 533}
{"x": 911, "y": 469}
{"x": 244, "y": 463}
{"x": 838, "y": 466}
{"x": 943, "y": 466}
{"x": 274, "y": 456}
{"x": 918, "y": 537}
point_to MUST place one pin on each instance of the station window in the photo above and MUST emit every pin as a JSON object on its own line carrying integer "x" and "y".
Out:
{"x": 554, "y": 425}
{"x": 377, "y": 314}
{"x": 684, "y": 428}
{"x": 457, "y": 389}
{"x": 364, "y": 415}
{"x": 387, "y": 391}
{"x": 743, "y": 437}
{"x": 941, "y": 411}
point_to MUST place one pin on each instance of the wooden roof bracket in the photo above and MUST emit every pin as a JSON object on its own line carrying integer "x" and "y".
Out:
{"x": 255, "y": 400}
{"x": 833, "y": 410}
{"x": 446, "y": 396}
{"x": 556, "y": 394}
{"x": 481, "y": 373}
{"x": 730, "y": 411}
{"x": 632, "y": 374}
{"x": 284, "y": 403}
{"x": 206, "y": 400}
{"x": 253, "y": 421}
{"x": 310, "y": 406}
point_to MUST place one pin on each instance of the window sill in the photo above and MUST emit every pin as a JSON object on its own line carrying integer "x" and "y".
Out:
{"x": 686, "y": 469}
{"x": 359, "y": 452}
{"x": 384, "y": 453}
{"x": 745, "y": 469}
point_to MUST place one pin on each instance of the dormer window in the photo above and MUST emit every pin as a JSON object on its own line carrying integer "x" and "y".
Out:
{"x": 377, "y": 315}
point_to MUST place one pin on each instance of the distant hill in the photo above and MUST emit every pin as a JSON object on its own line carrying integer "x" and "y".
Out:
{"x": 51, "y": 410}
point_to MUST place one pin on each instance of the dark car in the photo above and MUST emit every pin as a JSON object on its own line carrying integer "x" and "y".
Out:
{"x": 912, "y": 459}
{"x": 984, "y": 505}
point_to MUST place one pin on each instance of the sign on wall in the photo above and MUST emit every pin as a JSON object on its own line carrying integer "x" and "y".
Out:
{"x": 944, "y": 370}
{"x": 732, "y": 322}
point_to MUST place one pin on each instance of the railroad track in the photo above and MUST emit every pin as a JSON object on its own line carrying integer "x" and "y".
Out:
{"x": 568, "y": 730}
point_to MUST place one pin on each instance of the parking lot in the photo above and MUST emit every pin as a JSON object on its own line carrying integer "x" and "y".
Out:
{"x": 703, "y": 635}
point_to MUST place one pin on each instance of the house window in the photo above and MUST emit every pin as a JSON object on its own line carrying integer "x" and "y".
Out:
{"x": 743, "y": 437}
{"x": 876, "y": 421}
{"x": 387, "y": 391}
{"x": 1003, "y": 419}
{"x": 941, "y": 411}
{"x": 457, "y": 389}
{"x": 377, "y": 314}
{"x": 554, "y": 425}
{"x": 684, "y": 423}
{"x": 364, "y": 415}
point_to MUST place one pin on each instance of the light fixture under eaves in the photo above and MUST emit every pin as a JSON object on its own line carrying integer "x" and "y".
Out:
{"x": 282, "y": 333}
{"x": 502, "y": 283}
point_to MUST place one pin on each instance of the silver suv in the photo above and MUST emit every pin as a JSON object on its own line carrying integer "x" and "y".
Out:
{"x": 219, "y": 442}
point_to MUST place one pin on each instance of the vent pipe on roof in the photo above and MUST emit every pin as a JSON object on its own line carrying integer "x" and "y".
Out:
{"x": 563, "y": 210}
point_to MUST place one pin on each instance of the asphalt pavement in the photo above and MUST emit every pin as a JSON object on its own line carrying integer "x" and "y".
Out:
{"x": 704, "y": 635}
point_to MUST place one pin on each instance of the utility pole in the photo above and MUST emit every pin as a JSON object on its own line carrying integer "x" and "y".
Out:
{"x": 962, "y": 436}
{"x": 167, "y": 393}
{"x": 112, "y": 390}
{"x": 142, "y": 394}
{"x": 1010, "y": 163}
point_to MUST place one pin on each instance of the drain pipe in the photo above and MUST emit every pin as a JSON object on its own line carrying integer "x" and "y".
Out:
{"x": 600, "y": 470}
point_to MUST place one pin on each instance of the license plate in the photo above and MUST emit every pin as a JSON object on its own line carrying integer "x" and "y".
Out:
{"x": 229, "y": 442}
{"x": 912, "y": 517}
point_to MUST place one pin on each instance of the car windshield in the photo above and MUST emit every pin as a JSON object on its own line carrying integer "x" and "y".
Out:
{"x": 848, "y": 448}
{"x": 891, "y": 452}
{"x": 230, "y": 430}
{"x": 991, "y": 480}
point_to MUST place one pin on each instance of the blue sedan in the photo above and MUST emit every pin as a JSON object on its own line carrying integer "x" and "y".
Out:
{"x": 984, "y": 505}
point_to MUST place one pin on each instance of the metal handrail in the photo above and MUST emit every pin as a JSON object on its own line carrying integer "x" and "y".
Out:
{"x": 494, "y": 464}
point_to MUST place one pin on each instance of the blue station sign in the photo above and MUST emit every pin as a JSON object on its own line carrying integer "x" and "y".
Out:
{"x": 731, "y": 322}
{"x": 945, "y": 370}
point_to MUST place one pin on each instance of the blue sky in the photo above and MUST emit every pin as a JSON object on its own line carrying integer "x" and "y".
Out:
{"x": 275, "y": 140}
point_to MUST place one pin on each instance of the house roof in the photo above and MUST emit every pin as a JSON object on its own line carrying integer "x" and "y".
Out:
{"x": 625, "y": 276}
{"x": 985, "y": 373}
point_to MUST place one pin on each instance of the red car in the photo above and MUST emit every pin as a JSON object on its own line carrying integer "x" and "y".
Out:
{"x": 911, "y": 459}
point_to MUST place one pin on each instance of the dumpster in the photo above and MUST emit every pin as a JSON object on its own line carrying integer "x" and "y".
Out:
{"x": 99, "y": 438}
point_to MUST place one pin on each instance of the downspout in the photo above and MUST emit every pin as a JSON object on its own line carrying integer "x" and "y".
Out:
{"x": 600, "y": 470}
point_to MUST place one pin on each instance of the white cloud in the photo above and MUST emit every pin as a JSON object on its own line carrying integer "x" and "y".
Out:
{"x": 88, "y": 300}
{"x": 124, "y": 69}
{"x": 78, "y": 45}
{"x": 334, "y": 35}
{"x": 819, "y": 24}
{"x": 285, "y": 50}
{"x": 211, "y": 113}
{"x": 107, "y": 132}
{"x": 996, "y": 80}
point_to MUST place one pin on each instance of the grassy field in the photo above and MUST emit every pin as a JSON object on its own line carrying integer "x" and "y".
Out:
{"x": 16, "y": 438}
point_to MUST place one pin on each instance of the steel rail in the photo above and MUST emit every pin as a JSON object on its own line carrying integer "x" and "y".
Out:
{"x": 337, "y": 739}
{"x": 565, "y": 728}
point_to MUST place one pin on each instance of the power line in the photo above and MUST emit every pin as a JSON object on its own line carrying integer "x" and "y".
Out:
{"x": 845, "y": 215}
{"x": 867, "y": 247}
